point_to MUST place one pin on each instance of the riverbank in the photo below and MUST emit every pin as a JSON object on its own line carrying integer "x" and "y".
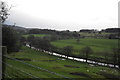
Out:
{"x": 68, "y": 68}
{"x": 77, "y": 59}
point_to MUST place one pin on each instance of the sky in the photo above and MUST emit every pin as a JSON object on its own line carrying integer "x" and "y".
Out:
{"x": 71, "y": 15}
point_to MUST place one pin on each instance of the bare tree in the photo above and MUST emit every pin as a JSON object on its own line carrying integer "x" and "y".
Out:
{"x": 116, "y": 57}
{"x": 68, "y": 50}
{"x": 4, "y": 11}
{"x": 87, "y": 51}
{"x": 105, "y": 57}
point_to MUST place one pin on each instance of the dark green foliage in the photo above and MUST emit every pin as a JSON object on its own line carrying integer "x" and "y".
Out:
{"x": 56, "y": 35}
{"x": 116, "y": 56}
{"x": 41, "y": 43}
{"x": 10, "y": 39}
{"x": 30, "y": 38}
{"x": 67, "y": 50}
{"x": 114, "y": 36}
{"x": 87, "y": 51}
{"x": 112, "y": 30}
{"x": 87, "y": 30}
{"x": 23, "y": 40}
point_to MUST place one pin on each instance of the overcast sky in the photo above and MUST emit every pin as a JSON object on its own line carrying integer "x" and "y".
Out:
{"x": 64, "y": 14}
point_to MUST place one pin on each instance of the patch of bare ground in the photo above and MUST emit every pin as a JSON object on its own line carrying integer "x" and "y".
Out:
{"x": 80, "y": 74}
{"x": 109, "y": 76}
{"x": 71, "y": 66}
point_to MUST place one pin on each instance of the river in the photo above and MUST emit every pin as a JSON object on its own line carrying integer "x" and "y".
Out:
{"x": 76, "y": 59}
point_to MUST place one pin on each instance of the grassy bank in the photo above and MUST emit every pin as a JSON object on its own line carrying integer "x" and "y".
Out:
{"x": 68, "y": 68}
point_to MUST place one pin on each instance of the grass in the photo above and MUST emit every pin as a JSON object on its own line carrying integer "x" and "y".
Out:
{"x": 57, "y": 65}
{"x": 36, "y": 35}
{"x": 97, "y": 45}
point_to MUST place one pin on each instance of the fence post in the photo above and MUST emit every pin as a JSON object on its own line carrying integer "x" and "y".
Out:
{"x": 4, "y": 52}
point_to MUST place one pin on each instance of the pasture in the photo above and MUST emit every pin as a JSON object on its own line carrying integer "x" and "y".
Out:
{"x": 97, "y": 45}
{"x": 68, "y": 68}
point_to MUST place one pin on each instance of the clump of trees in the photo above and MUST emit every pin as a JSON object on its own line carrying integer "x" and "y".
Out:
{"x": 67, "y": 50}
{"x": 10, "y": 39}
{"x": 86, "y": 51}
{"x": 40, "y": 43}
{"x": 55, "y": 35}
{"x": 116, "y": 56}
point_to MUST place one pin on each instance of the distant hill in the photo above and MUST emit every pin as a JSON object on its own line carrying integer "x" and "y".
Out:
{"x": 18, "y": 28}
{"x": 112, "y": 30}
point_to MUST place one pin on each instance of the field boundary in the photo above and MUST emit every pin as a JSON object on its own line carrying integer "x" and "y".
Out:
{"x": 20, "y": 70}
{"x": 38, "y": 67}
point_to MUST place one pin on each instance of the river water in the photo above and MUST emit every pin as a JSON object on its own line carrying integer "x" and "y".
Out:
{"x": 76, "y": 59}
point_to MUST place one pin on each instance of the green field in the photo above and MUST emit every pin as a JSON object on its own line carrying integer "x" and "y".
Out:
{"x": 86, "y": 34}
{"x": 36, "y": 35}
{"x": 97, "y": 45}
{"x": 68, "y": 68}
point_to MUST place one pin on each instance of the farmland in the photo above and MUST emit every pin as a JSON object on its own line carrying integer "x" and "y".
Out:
{"x": 97, "y": 45}
{"x": 30, "y": 63}
{"x": 68, "y": 68}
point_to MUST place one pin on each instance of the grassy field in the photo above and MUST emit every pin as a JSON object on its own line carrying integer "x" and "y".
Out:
{"x": 36, "y": 35}
{"x": 68, "y": 68}
{"x": 97, "y": 45}
{"x": 86, "y": 34}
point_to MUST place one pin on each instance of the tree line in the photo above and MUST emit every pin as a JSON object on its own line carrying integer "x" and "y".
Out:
{"x": 85, "y": 52}
{"x": 13, "y": 40}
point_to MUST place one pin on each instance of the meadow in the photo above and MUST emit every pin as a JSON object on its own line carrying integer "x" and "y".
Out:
{"x": 97, "y": 45}
{"x": 68, "y": 68}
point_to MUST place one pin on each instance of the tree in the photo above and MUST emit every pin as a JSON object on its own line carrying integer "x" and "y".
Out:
{"x": 105, "y": 56}
{"x": 10, "y": 39}
{"x": 30, "y": 39}
{"x": 119, "y": 58}
{"x": 41, "y": 43}
{"x": 116, "y": 56}
{"x": 54, "y": 37}
{"x": 23, "y": 40}
{"x": 4, "y": 11}
{"x": 87, "y": 51}
{"x": 67, "y": 50}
